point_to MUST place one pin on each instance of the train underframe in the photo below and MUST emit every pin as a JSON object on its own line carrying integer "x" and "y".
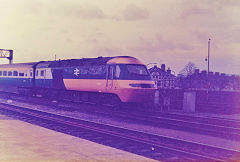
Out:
{"x": 106, "y": 99}
{"x": 72, "y": 96}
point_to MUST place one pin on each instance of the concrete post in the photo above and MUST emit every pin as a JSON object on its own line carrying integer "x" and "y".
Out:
{"x": 189, "y": 101}
{"x": 156, "y": 97}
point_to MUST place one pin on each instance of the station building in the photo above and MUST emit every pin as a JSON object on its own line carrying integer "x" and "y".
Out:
{"x": 164, "y": 79}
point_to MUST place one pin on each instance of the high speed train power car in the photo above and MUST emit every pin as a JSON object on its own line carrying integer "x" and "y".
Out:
{"x": 107, "y": 80}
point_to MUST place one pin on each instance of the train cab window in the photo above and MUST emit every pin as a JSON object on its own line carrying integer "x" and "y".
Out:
{"x": 15, "y": 73}
{"x": 137, "y": 69}
{"x": 131, "y": 72}
{"x": 0, "y": 73}
{"x": 4, "y": 73}
{"x": 9, "y": 73}
{"x": 42, "y": 73}
{"x": 117, "y": 72}
{"x": 110, "y": 72}
{"x": 21, "y": 74}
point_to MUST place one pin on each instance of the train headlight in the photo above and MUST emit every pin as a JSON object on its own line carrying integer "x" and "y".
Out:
{"x": 135, "y": 85}
{"x": 142, "y": 85}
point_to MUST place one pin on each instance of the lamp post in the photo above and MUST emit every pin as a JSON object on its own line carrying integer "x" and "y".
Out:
{"x": 208, "y": 54}
{"x": 208, "y": 59}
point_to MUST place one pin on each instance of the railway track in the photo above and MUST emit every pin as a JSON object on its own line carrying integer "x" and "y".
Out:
{"x": 224, "y": 128}
{"x": 200, "y": 119}
{"x": 138, "y": 142}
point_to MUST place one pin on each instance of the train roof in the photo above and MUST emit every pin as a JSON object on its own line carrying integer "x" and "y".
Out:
{"x": 79, "y": 62}
{"x": 18, "y": 65}
{"x": 68, "y": 63}
{"x": 84, "y": 61}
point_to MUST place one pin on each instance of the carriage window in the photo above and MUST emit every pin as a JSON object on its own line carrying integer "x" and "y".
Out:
{"x": 25, "y": 74}
{"x": 31, "y": 73}
{"x": 21, "y": 74}
{"x": 4, "y": 73}
{"x": 42, "y": 72}
{"x": 36, "y": 72}
{"x": 0, "y": 73}
{"x": 9, "y": 73}
{"x": 15, "y": 73}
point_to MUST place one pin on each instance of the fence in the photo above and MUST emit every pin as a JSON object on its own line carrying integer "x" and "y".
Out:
{"x": 212, "y": 101}
{"x": 218, "y": 101}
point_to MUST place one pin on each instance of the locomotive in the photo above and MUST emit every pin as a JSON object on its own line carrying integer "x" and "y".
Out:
{"x": 105, "y": 80}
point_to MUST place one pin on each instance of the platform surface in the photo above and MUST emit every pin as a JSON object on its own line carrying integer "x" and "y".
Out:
{"x": 21, "y": 141}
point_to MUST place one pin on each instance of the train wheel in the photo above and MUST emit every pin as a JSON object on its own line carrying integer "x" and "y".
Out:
{"x": 115, "y": 102}
{"x": 84, "y": 97}
{"x": 46, "y": 93}
{"x": 94, "y": 98}
{"x": 76, "y": 97}
{"x": 99, "y": 99}
{"x": 103, "y": 99}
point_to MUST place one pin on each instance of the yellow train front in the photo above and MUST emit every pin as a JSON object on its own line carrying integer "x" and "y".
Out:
{"x": 110, "y": 79}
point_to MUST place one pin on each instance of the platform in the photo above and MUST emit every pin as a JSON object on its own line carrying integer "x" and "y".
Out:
{"x": 21, "y": 141}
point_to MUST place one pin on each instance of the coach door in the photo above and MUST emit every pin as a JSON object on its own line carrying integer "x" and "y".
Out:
{"x": 58, "y": 79}
{"x": 110, "y": 77}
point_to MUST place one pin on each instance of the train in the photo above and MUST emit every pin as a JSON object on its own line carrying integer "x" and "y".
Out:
{"x": 104, "y": 80}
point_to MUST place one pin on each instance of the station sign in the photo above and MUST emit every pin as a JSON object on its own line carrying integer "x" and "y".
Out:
{"x": 4, "y": 53}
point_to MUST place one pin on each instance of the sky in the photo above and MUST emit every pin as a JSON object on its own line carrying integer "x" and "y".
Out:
{"x": 173, "y": 32}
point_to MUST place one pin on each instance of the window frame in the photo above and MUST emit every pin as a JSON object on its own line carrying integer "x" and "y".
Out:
{"x": 9, "y": 73}
{"x": 21, "y": 74}
{"x": 15, "y": 73}
{"x": 5, "y": 73}
{"x": 42, "y": 73}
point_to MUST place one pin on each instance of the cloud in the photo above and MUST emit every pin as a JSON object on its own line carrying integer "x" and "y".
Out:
{"x": 66, "y": 8}
{"x": 84, "y": 12}
{"x": 104, "y": 50}
{"x": 201, "y": 35}
{"x": 93, "y": 41}
{"x": 133, "y": 13}
{"x": 159, "y": 44}
{"x": 34, "y": 7}
{"x": 196, "y": 12}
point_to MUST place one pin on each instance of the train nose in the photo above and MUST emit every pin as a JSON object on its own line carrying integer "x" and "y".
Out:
{"x": 137, "y": 95}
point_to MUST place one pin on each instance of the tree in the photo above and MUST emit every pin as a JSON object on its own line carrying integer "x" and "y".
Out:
{"x": 188, "y": 69}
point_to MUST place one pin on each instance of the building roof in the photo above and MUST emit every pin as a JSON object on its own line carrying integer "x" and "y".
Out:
{"x": 161, "y": 71}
